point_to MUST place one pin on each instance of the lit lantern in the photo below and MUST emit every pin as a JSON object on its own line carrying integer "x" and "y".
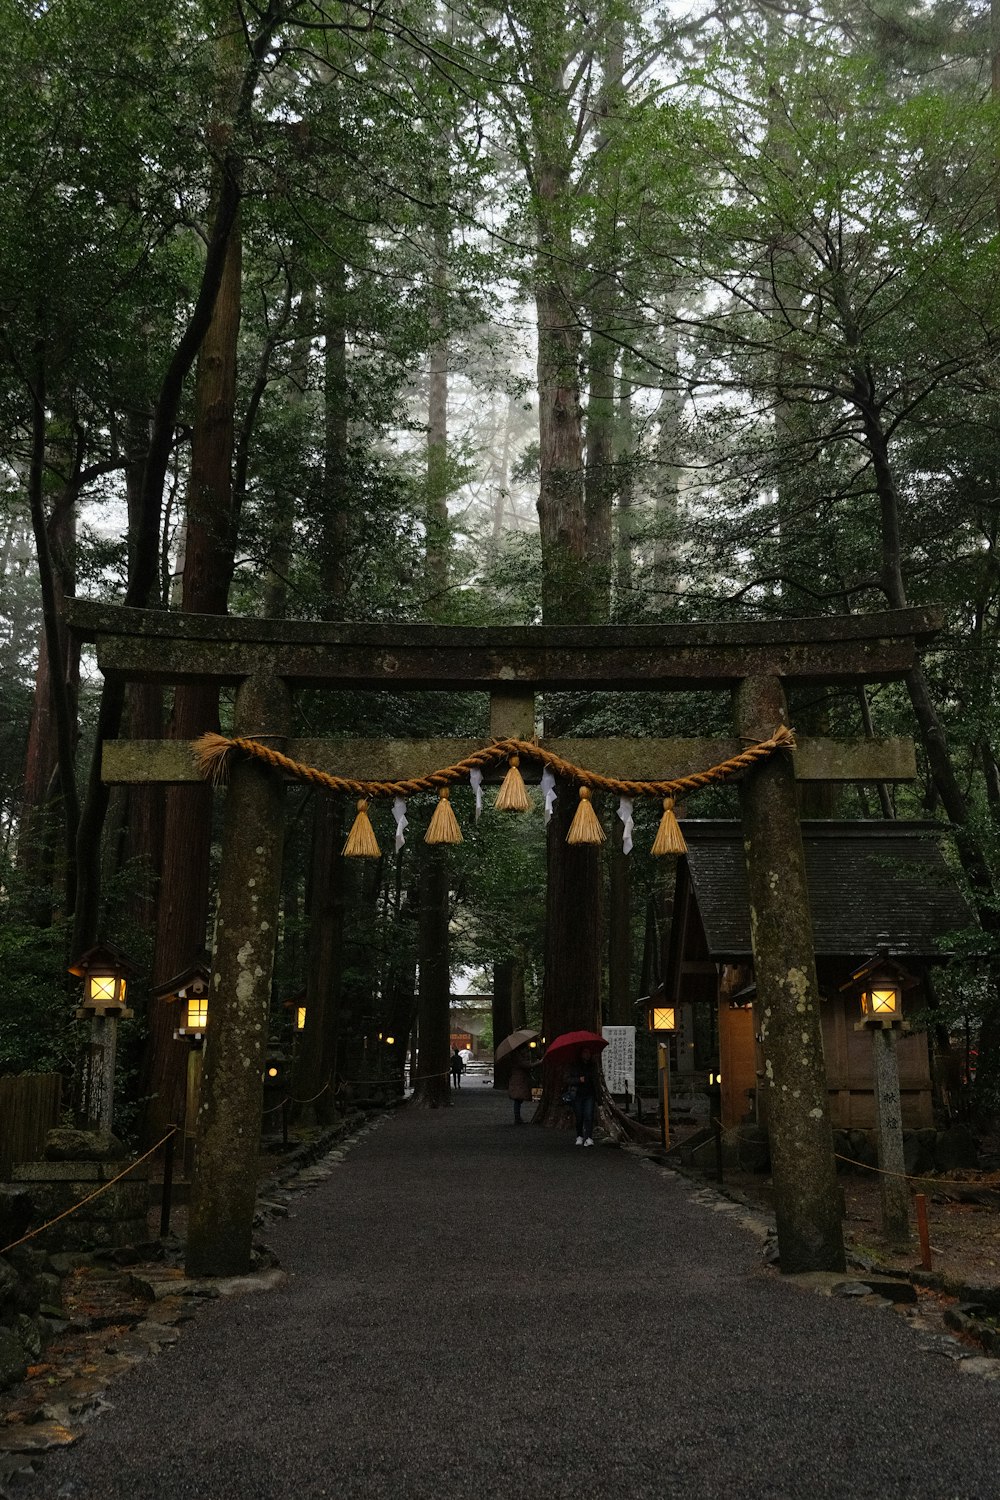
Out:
{"x": 661, "y": 1018}
{"x": 196, "y": 1015}
{"x": 295, "y": 1011}
{"x": 105, "y": 973}
{"x": 881, "y": 999}
{"x": 275, "y": 1071}
{"x": 390, "y": 1041}
{"x": 189, "y": 989}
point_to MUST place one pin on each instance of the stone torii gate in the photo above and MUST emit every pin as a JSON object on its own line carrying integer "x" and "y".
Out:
{"x": 268, "y": 659}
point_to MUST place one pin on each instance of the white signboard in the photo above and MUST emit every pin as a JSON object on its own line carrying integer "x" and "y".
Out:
{"x": 618, "y": 1058}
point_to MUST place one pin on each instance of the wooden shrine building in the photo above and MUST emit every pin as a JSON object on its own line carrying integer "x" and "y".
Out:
{"x": 872, "y": 886}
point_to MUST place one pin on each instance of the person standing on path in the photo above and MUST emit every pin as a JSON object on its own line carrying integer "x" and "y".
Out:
{"x": 457, "y": 1068}
{"x": 582, "y": 1079}
{"x": 519, "y": 1086}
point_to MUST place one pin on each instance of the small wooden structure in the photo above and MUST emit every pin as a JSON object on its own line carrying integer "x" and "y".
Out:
{"x": 872, "y": 885}
{"x": 29, "y": 1108}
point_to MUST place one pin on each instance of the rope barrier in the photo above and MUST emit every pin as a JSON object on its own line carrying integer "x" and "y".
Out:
{"x": 289, "y": 1100}
{"x": 91, "y": 1196}
{"x": 376, "y": 1082}
{"x": 938, "y": 1182}
{"x": 212, "y": 753}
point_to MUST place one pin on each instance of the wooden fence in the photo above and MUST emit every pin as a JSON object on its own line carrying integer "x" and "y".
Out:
{"x": 29, "y": 1108}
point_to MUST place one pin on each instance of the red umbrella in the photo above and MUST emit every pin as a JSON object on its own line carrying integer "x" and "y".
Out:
{"x": 568, "y": 1046}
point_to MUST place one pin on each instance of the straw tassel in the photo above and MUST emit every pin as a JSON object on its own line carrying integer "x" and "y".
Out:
{"x": 512, "y": 796}
{"x": 669, "y": 839}
{"x": 586, "y": 825}
{"x": 211, "y": 753}
{"x": 361, "y": 842}
{"x": 444, "y": 827}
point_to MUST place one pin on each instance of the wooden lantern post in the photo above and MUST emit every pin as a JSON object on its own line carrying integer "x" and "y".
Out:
{"x": 105, "y": 973}
{"x": 882, "y": 1011}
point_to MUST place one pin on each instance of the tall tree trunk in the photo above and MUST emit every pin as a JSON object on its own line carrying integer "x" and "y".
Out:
{"x": 600, "y": 478}
{"x": 316, "y": 1060}
{"x": 436, "y": 514}
{"x": 561, "y": 502}
{"x": 434, "y": 1019}
{"x": 401, "y": 981}
{"x": 41, "y": 763}
{"x": 625, "y": 472}
{"x": 599, "y": 487}
{"x": 145, "y": 559}
{"x": 187, "y": 844}
{"x": 562, "y": 524}
{"x": 666, "y": 476}
{"x": 143, "y": 809}
{"x": 571, "y": 995}
{"x": 336, "y": 486}
{"x": 61, "y": 694}
{"x": 331, "y": 889}
{"x": 279, "y": 550}
{"x": 573, "y": 943}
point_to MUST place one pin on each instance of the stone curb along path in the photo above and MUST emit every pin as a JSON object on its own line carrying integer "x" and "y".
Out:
{"x": 155, "y": 1300}
{"x": 934, "y": 1327}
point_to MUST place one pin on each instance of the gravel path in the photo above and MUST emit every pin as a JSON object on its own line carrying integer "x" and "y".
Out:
{"x": 478, "y": 1310}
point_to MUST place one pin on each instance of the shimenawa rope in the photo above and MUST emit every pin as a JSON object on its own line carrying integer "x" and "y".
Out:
{"x": 212, "y": 753}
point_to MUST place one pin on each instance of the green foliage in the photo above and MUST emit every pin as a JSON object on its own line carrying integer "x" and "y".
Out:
{"x": 37, "y": 1034}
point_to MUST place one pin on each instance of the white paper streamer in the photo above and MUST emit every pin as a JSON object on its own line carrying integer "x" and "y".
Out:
{"x": 625, "y": 813}
{"x": 549, "y": 788}
{"x": 476, "y": 779}
{"x": 399, "y": 813}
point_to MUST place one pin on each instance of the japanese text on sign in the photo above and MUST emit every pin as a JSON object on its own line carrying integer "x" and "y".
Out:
{"x": 619, "y": 1058}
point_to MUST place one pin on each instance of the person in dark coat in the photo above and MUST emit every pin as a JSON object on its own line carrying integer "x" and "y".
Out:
{"x": 581, "y": 1077}
{"x": 519, "y": 1086}
{"x": 457, "y": 1068}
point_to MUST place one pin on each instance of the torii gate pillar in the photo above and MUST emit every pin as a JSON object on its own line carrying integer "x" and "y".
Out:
{"x": 224, "y": 1185}
{"x": 806, "y": 1195}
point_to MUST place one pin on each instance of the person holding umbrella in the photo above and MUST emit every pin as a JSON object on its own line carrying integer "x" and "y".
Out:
{"x": 517, "y": 1047}
{"x": 578, "y": 1052}
{"x": 581, "y": 1077}
{"x": 519, "y": 1086}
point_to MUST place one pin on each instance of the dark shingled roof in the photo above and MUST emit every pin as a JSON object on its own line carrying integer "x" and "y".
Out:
{"x": 866, "y": 879}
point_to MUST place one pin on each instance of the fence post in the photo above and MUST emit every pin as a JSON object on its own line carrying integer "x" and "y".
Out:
{"x": 168, "y": 1183}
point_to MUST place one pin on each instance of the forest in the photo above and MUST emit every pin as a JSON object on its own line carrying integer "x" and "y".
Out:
{"x": 448, "y": 311}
